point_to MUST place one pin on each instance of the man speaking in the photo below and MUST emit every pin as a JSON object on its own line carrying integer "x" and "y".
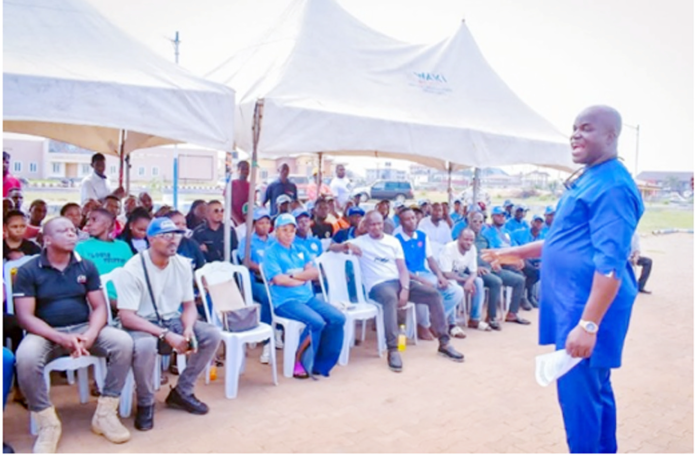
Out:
{"x": 587, "y": 284}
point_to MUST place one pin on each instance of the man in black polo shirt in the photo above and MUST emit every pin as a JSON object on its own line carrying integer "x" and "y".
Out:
{"x": 211, "y": 235}
{"x": 60, "y": 304}
{"x": 280, "y": 187}
{"x": 321, "y": 228}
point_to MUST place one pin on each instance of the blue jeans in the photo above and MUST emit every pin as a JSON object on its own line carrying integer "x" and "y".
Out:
{"x": 8, "y": 362}
{"x": 589, "y": 411}
{"x": 451, "y": 297}
{"x": 325, "y": 324}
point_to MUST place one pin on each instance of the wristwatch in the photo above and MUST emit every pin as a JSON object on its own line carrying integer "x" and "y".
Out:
{"x": 163, "y": 334}
{"x": 589, "y": 326}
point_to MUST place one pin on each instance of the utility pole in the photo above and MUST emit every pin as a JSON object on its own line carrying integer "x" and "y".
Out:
{"x": 175, "y": 174}
{"x": 637, "y": 129}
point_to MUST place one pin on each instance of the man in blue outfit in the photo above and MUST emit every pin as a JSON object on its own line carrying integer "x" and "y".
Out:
{"x": 588, "y": 285}
{"x": 517, "y": 222}
{"x": 282, "y": 186}
{"x": 304, "y": 236}
{"x": 549, "y": 214}
{"x": 290, "y": 273}
{"x": 355, "y": 216}
{"x": 531, "y": 265}
{"x": 508, "y": 205}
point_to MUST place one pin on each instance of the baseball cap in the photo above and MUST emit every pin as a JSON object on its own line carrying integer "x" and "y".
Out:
{"x": 537, "y": 217}
{"x": 497, "y": 210}
{"x": 300, "y": 212}
{"x": 520, "y": 207}
{"x": 549, "y": 210}
{"x": 162, "y": 225}
{"x": 285, "y": 219}
{"x": 507, "y": 203}
{"x": 356, "y": 211}
{"x": 458, "y": 200}
{"x": 399, "y": 204}
{"x": 423, "y": 201}
{"x": 282, "y": 199}
{"x": 260, "y": 213}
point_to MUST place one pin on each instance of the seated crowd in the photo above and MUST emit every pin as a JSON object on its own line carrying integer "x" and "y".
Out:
{"x": 423, "y": 254}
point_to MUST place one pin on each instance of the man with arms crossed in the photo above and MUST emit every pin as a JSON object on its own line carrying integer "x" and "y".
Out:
{"x": 588, "y": 285}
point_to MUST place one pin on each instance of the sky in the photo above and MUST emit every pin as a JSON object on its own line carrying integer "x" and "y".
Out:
{"x": 557, "y": 56}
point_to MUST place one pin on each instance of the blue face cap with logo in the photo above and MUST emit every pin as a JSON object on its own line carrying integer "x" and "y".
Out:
{"x": 537, "y": 218}
{"x": 299, "y": 212}
{"x": 507, "y": 203}
{"x": 356, "y": 211}
{"x": 260, "y": 213}
{"x": 285, "y": 219}
{"x": 497, "y": 210}
{"x": 162, "y": 225}
{"x": 549, "y": 210}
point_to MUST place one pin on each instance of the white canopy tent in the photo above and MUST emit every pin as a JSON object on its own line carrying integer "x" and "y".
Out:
{"x": 331, "y": 84}
{"x": 71, "y": 75}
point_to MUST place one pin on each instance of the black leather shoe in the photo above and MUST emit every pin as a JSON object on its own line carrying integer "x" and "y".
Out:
{"x": 449, "y": 352}
{"x": 514, "y": 318}
{"x": 532, "y": 300}
{"x": 189, "y": 403}
{"x": 524, "y": 304}
{"x": 145, "y": 417}
{"x": 494, "y": 325}
{"x": 645, "y": 291}
{"x": 6, "y": 448}
{"x": 394, "y": 360}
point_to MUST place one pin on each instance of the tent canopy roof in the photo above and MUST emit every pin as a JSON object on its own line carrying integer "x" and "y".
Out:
{"x": 71, "y": 75}
{"x": 332, "y": 84}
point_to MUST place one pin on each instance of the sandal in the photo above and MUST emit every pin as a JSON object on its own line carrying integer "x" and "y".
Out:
{"x": 299, "y": 371}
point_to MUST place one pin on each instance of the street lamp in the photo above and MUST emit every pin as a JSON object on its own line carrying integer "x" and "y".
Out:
{"x": 637, "y": 129}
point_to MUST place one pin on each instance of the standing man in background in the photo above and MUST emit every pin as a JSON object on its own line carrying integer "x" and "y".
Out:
{"x": 341, "y": 186}
{"x": 282, "y": 186}
{"x": 588, "y": 285}
{"x": 240, "y": 191}
{"x": 96, "y": 185}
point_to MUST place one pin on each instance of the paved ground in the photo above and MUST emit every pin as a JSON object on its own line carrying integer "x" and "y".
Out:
{"x": 490, "y": 404}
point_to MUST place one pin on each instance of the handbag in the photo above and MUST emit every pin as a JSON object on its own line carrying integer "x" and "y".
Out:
{"x": 163, "y": 348}
{"x": 229, "y": 305}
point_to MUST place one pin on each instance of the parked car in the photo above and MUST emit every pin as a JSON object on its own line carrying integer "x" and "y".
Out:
{"x": 390, "y": 190}
{"x": 301, "y": 182}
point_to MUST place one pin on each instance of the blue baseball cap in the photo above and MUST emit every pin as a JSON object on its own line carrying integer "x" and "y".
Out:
{"x": 521, "y": 207}
{"x": 162, "y": 225}
{"x": 508, "y": 203}
{"x": 497, "y": 210}
{"x": 285, "y": 219}
{"x": 356, "y": 211}
{"x": 458, "y": 200}
{"x": 260, "y": 213}
{"x": 549, "y": 210}
{"x": 537, "y": 217}
{"x": 299, "y": 212}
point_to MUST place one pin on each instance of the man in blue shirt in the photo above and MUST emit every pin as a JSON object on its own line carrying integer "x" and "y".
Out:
{"x": 282, "y": 186}
{"x": 304, "y": 236}
{"x": 290, "y": 273}
{"x": 456, "y": 214}
{"x": 508, "y": 205}
{"x": 498, "y": 236}
{"x": 355, "y": 216}
{"x": 549, "y": 214}
{"x": 417, "y": 252}
{"x": 531, "y": 265}
{"x": 589, "y": 286}
{"x": 517, "y": 221}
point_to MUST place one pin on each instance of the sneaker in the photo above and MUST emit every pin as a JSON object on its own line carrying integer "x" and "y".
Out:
{"x": 457, "y": 332}
{"x": 266, "y": 355}
{"x": 278, "y": 338}
{"x": 190, "y": 403}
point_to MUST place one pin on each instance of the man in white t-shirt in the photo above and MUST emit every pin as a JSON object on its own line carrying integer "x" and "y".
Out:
{"x": 458, "y": 263}
{"x": 340, "y": 185}
{"x": 387, "y": 281}
{"x": 171, "y": 285}
{"x": 436, "y": 228}
{"x": 96, "y": 185}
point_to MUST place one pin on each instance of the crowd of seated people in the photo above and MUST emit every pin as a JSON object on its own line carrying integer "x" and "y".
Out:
{"x": 424, "y": 253}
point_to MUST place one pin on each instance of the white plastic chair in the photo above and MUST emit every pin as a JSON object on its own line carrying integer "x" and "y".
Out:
{"x": 219, "y": 272}
{"x": 293, "y": 330}
{"x": 235, "y": 257}
{"x": 332, "y": 267}
{"x": 7, "y": 277}
{"x": 126, "y": 402}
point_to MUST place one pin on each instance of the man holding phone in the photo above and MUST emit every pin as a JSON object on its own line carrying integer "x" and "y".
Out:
{"x": 156, "y": 306}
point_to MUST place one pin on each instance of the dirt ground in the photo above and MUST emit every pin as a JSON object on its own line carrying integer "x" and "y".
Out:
{"x": 489, "y": 404}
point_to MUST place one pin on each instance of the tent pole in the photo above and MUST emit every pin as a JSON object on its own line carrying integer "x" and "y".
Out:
{"x": 256, "y": 131}
{"x": 449, "y": 184}
{"x": 228, "y": 213}
{"x": 319, "y": 175}
{"x": 120, "y": 157}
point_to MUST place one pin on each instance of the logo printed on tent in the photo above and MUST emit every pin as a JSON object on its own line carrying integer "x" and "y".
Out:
{"x": 431, "y": 82}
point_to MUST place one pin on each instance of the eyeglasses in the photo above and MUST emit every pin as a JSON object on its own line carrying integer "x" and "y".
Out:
{"x": 169, "y": 236}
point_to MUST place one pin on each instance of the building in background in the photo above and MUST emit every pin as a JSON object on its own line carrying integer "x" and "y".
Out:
{"x": 671, "y": 181}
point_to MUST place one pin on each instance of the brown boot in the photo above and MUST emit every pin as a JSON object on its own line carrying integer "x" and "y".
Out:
{"x": 424, "y": 333}
{"x": 105, "y": 421}
{"x": 49, "y": 430}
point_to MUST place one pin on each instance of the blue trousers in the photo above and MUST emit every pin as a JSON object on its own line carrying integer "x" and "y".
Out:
{"x": 325, "y": 323}
{"x": 258, "y": 291}
{"x": 589, "y": 410}
{"x": 8, "y": 362}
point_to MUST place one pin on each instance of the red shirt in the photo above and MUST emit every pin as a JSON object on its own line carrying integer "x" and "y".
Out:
{"x": 240, "y": 196}
{"x": 8, "y": 183}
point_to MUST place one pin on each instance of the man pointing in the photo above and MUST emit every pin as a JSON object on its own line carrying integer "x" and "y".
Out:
{"x": 588, "y": 285}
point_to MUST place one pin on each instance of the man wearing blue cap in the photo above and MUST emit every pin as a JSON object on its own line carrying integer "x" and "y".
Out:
{"x": 355, "y": 216}
{"x": 496, "y": 233}
{"x": 260, "y": 241}
{"x": 549, "y": 214}
{"x": 304, "y": 236}
{"x": 290, "y": 273}
{"x": 588, "y": 287}
{"x": 456, "y": 214}
{"x": 531, "y": 265}
{"x": 517, "y": 222}
{"x": 154, "y": 286}
{"x": 508, "y": 205}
